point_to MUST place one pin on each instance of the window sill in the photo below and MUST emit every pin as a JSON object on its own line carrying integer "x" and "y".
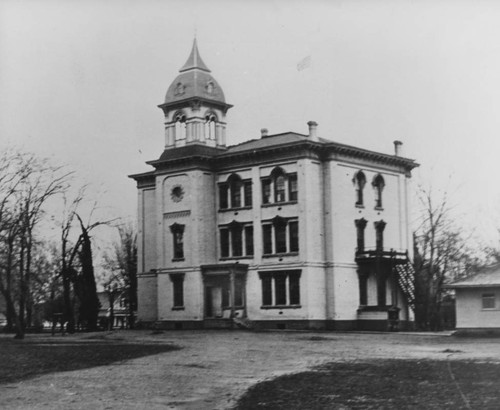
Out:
{"x": 279, "y": 204}
{"x": 178, "y": 308}
{"x": 241, "y": 208}
{"x": 379, "y": 208}
{"x": 280, "y": 255}
{"x": 228, "y": 258}
{"x": 280, "y": 307}
{"x": 178, "y": 260}
{"x": 360, "y": 206}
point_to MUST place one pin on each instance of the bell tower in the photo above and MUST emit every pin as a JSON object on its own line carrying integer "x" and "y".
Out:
{"x": 195, "y": 108}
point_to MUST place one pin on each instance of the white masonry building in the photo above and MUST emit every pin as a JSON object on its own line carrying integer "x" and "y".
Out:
{"x": 287, "y": 231}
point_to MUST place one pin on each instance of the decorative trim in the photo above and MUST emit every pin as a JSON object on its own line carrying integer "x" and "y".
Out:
{"x": 180, "y": 214}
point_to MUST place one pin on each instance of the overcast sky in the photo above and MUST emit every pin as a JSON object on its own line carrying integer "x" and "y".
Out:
{"x": 80, "y": 83}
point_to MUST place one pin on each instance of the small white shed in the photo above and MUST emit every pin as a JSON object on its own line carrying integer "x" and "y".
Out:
{"x": 478, "y": 301}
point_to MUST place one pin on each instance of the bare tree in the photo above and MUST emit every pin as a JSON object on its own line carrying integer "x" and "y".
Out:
{"x": 441, "y": 253}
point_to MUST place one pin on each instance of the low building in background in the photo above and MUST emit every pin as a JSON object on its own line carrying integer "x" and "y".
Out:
{"x": 286, "y": 231}
{"x": 477, "y": 301}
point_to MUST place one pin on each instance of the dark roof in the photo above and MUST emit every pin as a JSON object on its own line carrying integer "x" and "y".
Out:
{"x": 269, "y": 141}
{"x": 489, "y": 276}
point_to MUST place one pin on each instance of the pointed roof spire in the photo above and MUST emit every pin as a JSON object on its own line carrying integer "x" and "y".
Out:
{"x": 194, "y": 60}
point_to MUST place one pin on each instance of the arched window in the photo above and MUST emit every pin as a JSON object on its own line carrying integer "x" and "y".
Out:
{"x": 178, "y": 240}
{"x": 235, "y": 193}
{"x": 378, "y": 184}
{"x": 279, "y": 187}
{"x": 180, "y": 126}
{"x": 359, "y": 181}
{"x": 210, "y": 121}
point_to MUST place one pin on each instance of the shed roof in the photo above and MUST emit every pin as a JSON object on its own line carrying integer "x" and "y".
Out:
{"x": 486, "y": 277}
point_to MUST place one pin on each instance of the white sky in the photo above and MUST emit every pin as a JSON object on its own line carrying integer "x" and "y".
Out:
{"x": 80, "y": 82}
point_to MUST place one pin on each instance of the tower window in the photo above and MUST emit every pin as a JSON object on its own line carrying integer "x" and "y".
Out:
{"x": 279, "y": 187}
{"x": 378, "y": 184}
{"x": 180, "y": 126}
{"x": 359, "y": 181}
{"x": 178, "y": 241}
{"x": 210, "y": 121}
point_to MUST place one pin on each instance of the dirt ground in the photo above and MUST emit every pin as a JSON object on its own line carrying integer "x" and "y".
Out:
{"x": 214, "y": 368}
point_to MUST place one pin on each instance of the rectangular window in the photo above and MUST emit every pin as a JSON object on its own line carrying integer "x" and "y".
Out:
{"x": 280, "y": 289}
{"x": 223, "y": 204}
{"x": 249, "y": 240}
{"x": 292, "y": 187}
{"x": 248, "y": 193}
{"x": 280, "y": 238}
{"x": 267, "y": 231}
{"x": 236, "y": 195}
{"x": 237, "y": 242}
{"x": 178, "y": 289}
{"x": 267, "y": 290}
{"x": 239, "y": 286}
{"x": 294, "y": 236}
{"x": 178, "y": 245}
{"x": 224, "y": 242}
{"x": 266, "y": 191}
{"x": 489, "y": 301}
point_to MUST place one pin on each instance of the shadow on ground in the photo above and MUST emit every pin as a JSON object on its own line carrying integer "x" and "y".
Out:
{"x": 24, "y": 359}
{"x": 387, "y": 384}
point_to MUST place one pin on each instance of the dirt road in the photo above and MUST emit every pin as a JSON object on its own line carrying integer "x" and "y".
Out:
{"x": 214, "y": 368}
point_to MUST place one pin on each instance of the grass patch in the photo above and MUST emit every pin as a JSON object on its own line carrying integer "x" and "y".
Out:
{"x": 32, "y": 357}
{"x": 388, "y": 384}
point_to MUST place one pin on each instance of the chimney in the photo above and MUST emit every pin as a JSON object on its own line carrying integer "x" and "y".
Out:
{"x": 313, "y": 125}
{"x": 397, "y": 148}
{"x": 263, "y": 132}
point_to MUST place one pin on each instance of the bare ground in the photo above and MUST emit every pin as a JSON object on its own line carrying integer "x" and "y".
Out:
{"x": 213, "y": 368}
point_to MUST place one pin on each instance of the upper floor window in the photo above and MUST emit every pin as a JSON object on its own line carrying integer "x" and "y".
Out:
{"x": 489, "y": 301}
{"x": 236, "y": 240}
{"x": 235, "y": 193}
{"x": 180, "y": 126}
{"x": 279, "y": 187}
{"x": 378, "y": 184}
{"x": 280, "y": 235}
{"x": 178, "y": 240}
{"x": 379, "y": 234}
{"x": 359, "y": 181}
{"x": 360, "y": 233}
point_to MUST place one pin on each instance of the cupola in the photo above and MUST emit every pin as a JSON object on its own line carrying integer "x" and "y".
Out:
{"x": 195, "y": 107}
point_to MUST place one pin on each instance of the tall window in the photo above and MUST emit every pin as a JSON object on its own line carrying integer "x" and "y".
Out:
{"x": 235, "y": 193}
{"x": 210, "y": 121}
{"x": 489, "y": 301}
{"x": 360, "y": 234}
{"x": 378, "y": 184}
{"x": 359, "y": 184}
{"x": 280, "y": 289}
{"x": 280, "y": 235}
{"x": 236, "y": 240}
{"x": 180, "y": 126}
{"x": 379, "y": 234}
{"x": 178, "y": 240}
{"x": 178, "y": 289}
{"x": 279, "y": 187}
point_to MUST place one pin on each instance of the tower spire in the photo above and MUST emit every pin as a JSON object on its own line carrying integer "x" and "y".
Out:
{"x": 194, "y": 60}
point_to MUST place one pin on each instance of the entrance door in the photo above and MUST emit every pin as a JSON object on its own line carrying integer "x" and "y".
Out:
{"x": 214, "y": 301}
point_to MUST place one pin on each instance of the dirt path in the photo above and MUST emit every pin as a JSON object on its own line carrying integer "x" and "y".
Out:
{"x": 215, "y": 367}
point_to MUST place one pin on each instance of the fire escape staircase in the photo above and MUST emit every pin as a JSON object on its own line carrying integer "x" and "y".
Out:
{"x": 405, "y": 274}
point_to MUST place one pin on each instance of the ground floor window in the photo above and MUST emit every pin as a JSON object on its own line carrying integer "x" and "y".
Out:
{"x": 280, "y": 288}
{"x": 489, "y": 301}
{"x": 178, "y": 290}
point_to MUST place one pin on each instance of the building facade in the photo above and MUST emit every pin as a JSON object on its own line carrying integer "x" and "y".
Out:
{"x": 284, "y": 231}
